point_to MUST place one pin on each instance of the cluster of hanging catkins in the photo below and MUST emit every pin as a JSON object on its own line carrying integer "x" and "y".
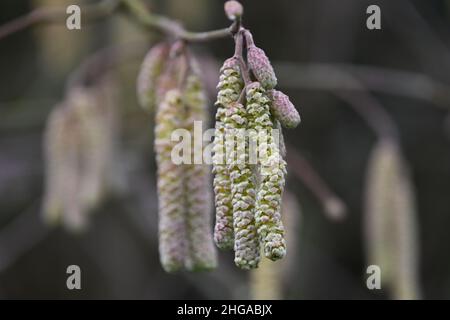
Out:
{"x": 248, "y": 194}
{"x": 169, "y": 83}
{"x": 79, "y": 146}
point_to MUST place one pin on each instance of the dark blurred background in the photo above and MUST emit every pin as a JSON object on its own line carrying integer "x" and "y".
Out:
{"x": 118, "y": 254}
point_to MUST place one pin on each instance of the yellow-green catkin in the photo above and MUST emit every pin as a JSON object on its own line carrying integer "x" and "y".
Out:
{"x": 202, "y": 253}
{"x": 272, "y": 174}
{"x": 270, "y": 279}
{"x": 171, "y": 194}
{"x": 151, "y": 68}
{"x": 390, "y": 222}
{"x": 243, "y": 188}
{"x": 230, "y": 87}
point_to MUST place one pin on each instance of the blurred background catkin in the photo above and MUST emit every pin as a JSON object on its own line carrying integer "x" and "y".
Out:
{"x": 375, "y": 137}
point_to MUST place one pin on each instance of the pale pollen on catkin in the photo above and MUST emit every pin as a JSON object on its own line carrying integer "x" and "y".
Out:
{"x": 243, "y": 188}
{"x": 230, "y": 86}
{"x": 272, "y": 175}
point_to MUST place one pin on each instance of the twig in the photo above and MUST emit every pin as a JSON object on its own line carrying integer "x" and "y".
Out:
{"x": 238, "y": 54}
{"x": 360, "y": 101}
{"x": 53, "y": 14}
{"x": 371, "y": 111}
{"x": 332, "y": 205}
{"x": 106, "y": 7}
{"x": 173, "y": 28}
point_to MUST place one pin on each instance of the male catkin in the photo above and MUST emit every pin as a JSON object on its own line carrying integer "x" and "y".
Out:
{"x": 272, "y": 173}
{"x": 54, "y": 143}
{"x": 390, "y": 221}
{"x": 151, "y": 68}
{"x": 230, "y": 87}
{"x": 79, "y": 150}
{"x": 172, "y": 218}
{"x": 243, "y": 188}
{"x": 202, "y": 253}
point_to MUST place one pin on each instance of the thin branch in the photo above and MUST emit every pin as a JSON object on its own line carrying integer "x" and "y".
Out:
{"x": 238, "y": 54}
{"x": 371, "y": 111}
{"x": 56, "y": 14}
{"x": 173, "y": 28}
{"x": 361, "y": 101}
{"x": 324, "y": 76}
{"x": 332, "y": 205}
{"x": 105, "y": 8}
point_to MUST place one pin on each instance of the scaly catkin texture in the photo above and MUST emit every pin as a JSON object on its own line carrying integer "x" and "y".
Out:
{"x": 272, "y": 174}
{"x": 202, "y": 253}
{"x": 230, "y": 87}
{"x": 260, "y": 64}
{"x": 152, "y": 67}
{"x": 243, "y": 194}
{"x": 283, "y": 109}
{"x": 172, "y": 218}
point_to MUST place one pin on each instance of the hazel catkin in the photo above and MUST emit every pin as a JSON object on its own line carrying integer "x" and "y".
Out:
{"x": 283, "y": 109}
{"x": 243, "y": 188}
{"x": 390, "y": 221}
{"x": 202, "y": 254}
{"x": 272, "y": 174}
{"x": 172, "y": 218}
{"x": 260, "y": 64}
{"x": 151, "y": 68}
{"x": 230, "y": 87}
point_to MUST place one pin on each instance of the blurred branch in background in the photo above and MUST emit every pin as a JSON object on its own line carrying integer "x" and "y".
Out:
{"x": 353, "y": 84}
{"x": 57, "y": 14}
{"x": 332, "y": 77}
{"x": 106, "y": 7}
{"x": 372, "y": 112}
{"x": 332, "y": 205}
{"x": 426, "y": 44}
